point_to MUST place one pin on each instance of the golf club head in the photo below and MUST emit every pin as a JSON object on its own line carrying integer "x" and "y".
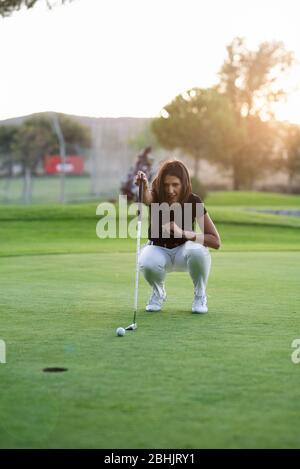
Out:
{"x": 131, "y": 327}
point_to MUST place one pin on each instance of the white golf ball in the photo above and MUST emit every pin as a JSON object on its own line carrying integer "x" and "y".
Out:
{"x": 120, "y": 331}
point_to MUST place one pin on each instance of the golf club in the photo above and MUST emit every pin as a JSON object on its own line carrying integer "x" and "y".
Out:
{"x": 133, "y": 326}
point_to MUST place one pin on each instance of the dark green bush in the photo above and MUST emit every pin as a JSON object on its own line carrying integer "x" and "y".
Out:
{"x": 199, "y": 188}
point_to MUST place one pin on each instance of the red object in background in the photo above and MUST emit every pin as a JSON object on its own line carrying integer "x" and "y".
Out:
{"x": 73, "y": 165}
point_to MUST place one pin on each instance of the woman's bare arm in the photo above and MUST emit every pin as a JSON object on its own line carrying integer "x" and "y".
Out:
{"x": 210, "y": 236}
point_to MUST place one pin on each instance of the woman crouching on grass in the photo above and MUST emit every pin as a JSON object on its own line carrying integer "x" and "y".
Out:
{"x": 175, "y": 246}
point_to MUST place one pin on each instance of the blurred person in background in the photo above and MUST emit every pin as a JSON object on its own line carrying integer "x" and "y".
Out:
{"x": 144, "y": 163}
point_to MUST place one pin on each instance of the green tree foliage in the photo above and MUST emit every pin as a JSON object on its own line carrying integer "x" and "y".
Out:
{"x": 199, "y": 187}
{"x": 36, "y": 138}
{"x": 291, "y": 155}
{"x": 33, "y": 140}
{"x": 249, "y": 79}
{"x": 77, "y": 136}
{"x": 7, "y": 135}
{"x": 229, "y": 125}
{"x": 200, "y": 122}
{"x": 7, "y": 7}
{"x": 254, "y": 154}
{"x": 145, "y": 138}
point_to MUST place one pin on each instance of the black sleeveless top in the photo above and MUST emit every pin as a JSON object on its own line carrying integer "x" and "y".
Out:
{"x": 186, "y": 222}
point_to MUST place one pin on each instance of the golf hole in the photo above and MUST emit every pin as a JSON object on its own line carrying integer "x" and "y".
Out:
{"x": 54, "y": 369}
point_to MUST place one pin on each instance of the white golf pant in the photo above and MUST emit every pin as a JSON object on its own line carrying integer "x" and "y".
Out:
{"x": 156, "y": 261}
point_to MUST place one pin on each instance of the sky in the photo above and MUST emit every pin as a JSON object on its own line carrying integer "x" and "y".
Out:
{"x": 112, "y": 58}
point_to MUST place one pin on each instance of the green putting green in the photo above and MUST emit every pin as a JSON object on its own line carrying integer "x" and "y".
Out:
{"x": 225, "y": 379}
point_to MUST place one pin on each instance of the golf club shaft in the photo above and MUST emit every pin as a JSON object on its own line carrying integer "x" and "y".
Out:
{"x": 137, "y": 269}
{"x": 138, "y": 245}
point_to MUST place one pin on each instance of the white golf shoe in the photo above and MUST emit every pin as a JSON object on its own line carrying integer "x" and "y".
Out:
{"x": 155, "y": 302}
{"x": 200, "y": 304}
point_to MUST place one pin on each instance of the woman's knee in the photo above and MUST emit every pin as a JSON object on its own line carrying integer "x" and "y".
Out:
{"x": 150, "y": 266}
{"x": 197, "y": 252}
{"x": 150, "y": 261}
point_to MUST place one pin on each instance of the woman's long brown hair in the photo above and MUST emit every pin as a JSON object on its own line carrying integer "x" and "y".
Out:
{"x": 172, "y": 168}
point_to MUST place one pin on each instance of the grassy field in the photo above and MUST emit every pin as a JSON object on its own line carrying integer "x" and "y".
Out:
{"x": 45, "y": 189}
{"x": 225, "y": 379}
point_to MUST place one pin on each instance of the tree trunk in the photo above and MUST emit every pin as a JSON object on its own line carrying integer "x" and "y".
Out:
{"x": 196, "y": 166}
{"x": 235, "y": 175}
{"x": 290, "y": 182}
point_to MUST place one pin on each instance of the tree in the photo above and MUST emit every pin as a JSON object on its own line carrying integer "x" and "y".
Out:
{"x": 37, "y": 137}
{"x": 291, "y": 154}
{"x": 199, "y": 122}
{"x": 77, "y": 135}
{"x": 33, "y": 140}
{"x": 7, "y": 135}
{"x": 7, "y": 7}
{"x": 145, "y": 138}
{"x": 254, "y": 154}
{"x": 249, "y": 79}
{"x": 71, "y": 137}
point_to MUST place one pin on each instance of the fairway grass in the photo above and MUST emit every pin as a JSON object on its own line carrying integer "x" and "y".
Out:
{"x": 224, "y": 379}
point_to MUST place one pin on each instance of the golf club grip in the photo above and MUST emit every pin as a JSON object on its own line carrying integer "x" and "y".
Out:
{"x": 141, "y": 188}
